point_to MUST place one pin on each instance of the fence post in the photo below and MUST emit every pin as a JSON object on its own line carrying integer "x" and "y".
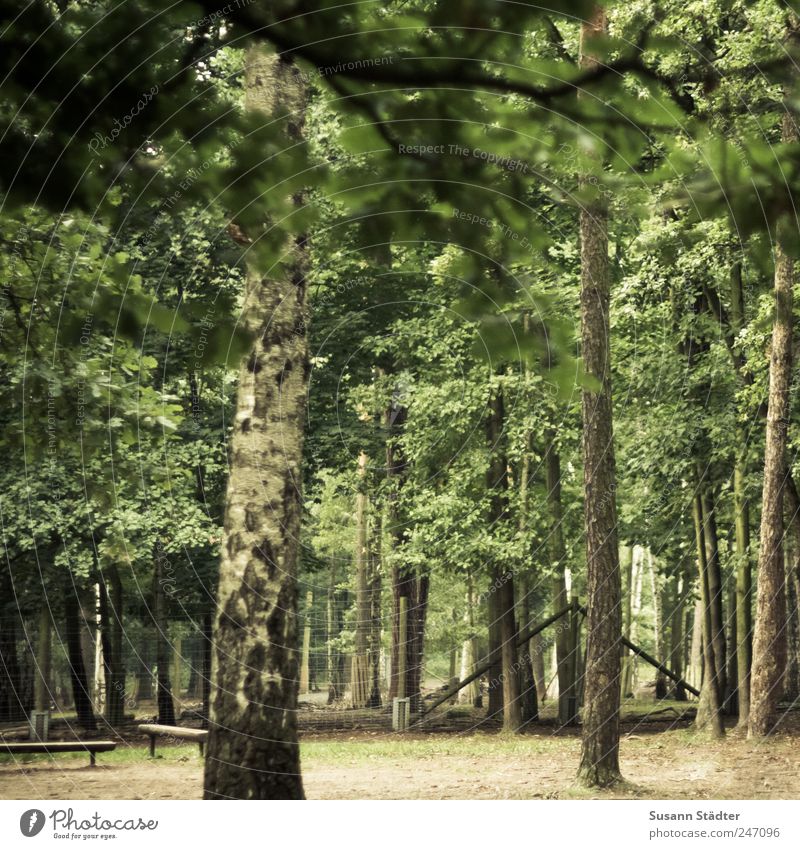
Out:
{"x": 568, "y": 713}
{"x": 402, "y": 647}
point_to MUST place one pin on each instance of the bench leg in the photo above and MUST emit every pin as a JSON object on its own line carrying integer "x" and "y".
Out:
{"x": 92, "y": 758}
{"x": 152, "y": 745}
{"x": 201, "y": 750}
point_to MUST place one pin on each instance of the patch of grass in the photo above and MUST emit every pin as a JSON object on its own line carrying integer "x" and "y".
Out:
{"x": 123, "y": 754}
{"x": 397, "y": 747}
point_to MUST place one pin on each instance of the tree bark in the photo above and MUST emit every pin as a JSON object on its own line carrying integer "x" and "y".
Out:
{"x": 503, "y": 577}
{"x": 43, "y": 678}
{"x": 111, "y": 631}
{"x": 709, "y": 711}
{"x": 374, "y": 593}
{"x": 11, "y": 704}
{"x": 335, "y": 659}
{"x": 166, "y": 707}
{"x": 252, "y": 745}
{"x": 769, "y": 637}
{"x": 744, "y": 591}
{"x": 359, "y": 676}
{"x": 599, "y": 765}
{"x": 77, "y": 671}
{"x": 558, "y": 555}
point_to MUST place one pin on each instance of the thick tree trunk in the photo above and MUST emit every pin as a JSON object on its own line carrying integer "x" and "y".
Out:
{"x": 252, "y": 746}
{"x": 599, "y": 766}
{"x": 769, "y": 637}
{"x": 77, "y": 671}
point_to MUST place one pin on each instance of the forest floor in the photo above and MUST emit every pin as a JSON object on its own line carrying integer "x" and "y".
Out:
{"x": 672, "y": 764}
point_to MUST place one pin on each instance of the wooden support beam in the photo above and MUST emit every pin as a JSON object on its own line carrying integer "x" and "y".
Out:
{"x": 522, "y": 637}
{"x": 653, "y": 662}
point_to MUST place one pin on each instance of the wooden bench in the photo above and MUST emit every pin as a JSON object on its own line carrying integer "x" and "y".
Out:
{"x": 196, "y": 734}
{"x": 53, "y": 747}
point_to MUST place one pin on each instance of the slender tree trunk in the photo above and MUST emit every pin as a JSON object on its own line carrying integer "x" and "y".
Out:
{"x": 527, "y": 682}
{"x": 769, "y": 637}
{"x": 557, "y": 552}
{"x": 744, "y": 591}
{"x": 696, "y": 651}
{"x": 374, "y": 590}
{"x": 359, "y": 676}
{"x": 416, "y": 639}
{"x": 43, "y": 678}
{"x": 626, "y": 564}
{"x": 503, "y": 579}
{"x": 676, "y": 635}
{"x": 77, "y": 671}
{"x": 166, "y": 707}
{"x": 469, "y": 650}
{"x": 716, "y": 589}
{"x": 11, "y": 705}
{"x": 208, "y": 652}
{"x": 252, "y": 745}
{"x": 305, "y": 656}
{"x": 709, "y": 712}
{"x": 111, "y": 630}
{"x": 334, "y": 629}
{"x": 599, "y": 765}
{"x": 658, "y": 624}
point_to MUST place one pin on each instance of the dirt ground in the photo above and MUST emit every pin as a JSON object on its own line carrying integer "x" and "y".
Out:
{"x": 675, "y": 764}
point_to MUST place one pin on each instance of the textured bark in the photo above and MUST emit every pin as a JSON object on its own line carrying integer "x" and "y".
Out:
{"x": 502, "y": 576}
{"x": 791, "y": 684}
{"x": 11, "y": 704}
{"x": 166, "y": 707}
{"x": 744, "y": 590}
{"x": 252, "y": 745}
{"x": 305, "y": 657}
{"x": 676, "y": 635}
{"x": 626, "y": 670}
{"x": 81, "y": 693}
{"x": 111, "y": 629}
{"x": 42, "y": 681}
{"x": 359, "y": 676}
{"x": 599, "y": 766}
{"x": 709, "y": 711}
{"x": 374, "y": 595}
{"x": 658, "y": 624}
{"x": 335, "y": 659}
{"x": 769, "y": 638}
{"x": 715, "y": 588}
{"x": 208, "y": 652}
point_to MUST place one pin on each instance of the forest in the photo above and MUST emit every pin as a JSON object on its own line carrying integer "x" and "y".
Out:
{"x": 398, "y": 399}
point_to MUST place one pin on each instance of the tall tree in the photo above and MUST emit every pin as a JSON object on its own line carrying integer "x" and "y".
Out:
{"x": 769, "y": 636}
{"x": 252, "y": 746}
{"x": 599, "y": 765}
